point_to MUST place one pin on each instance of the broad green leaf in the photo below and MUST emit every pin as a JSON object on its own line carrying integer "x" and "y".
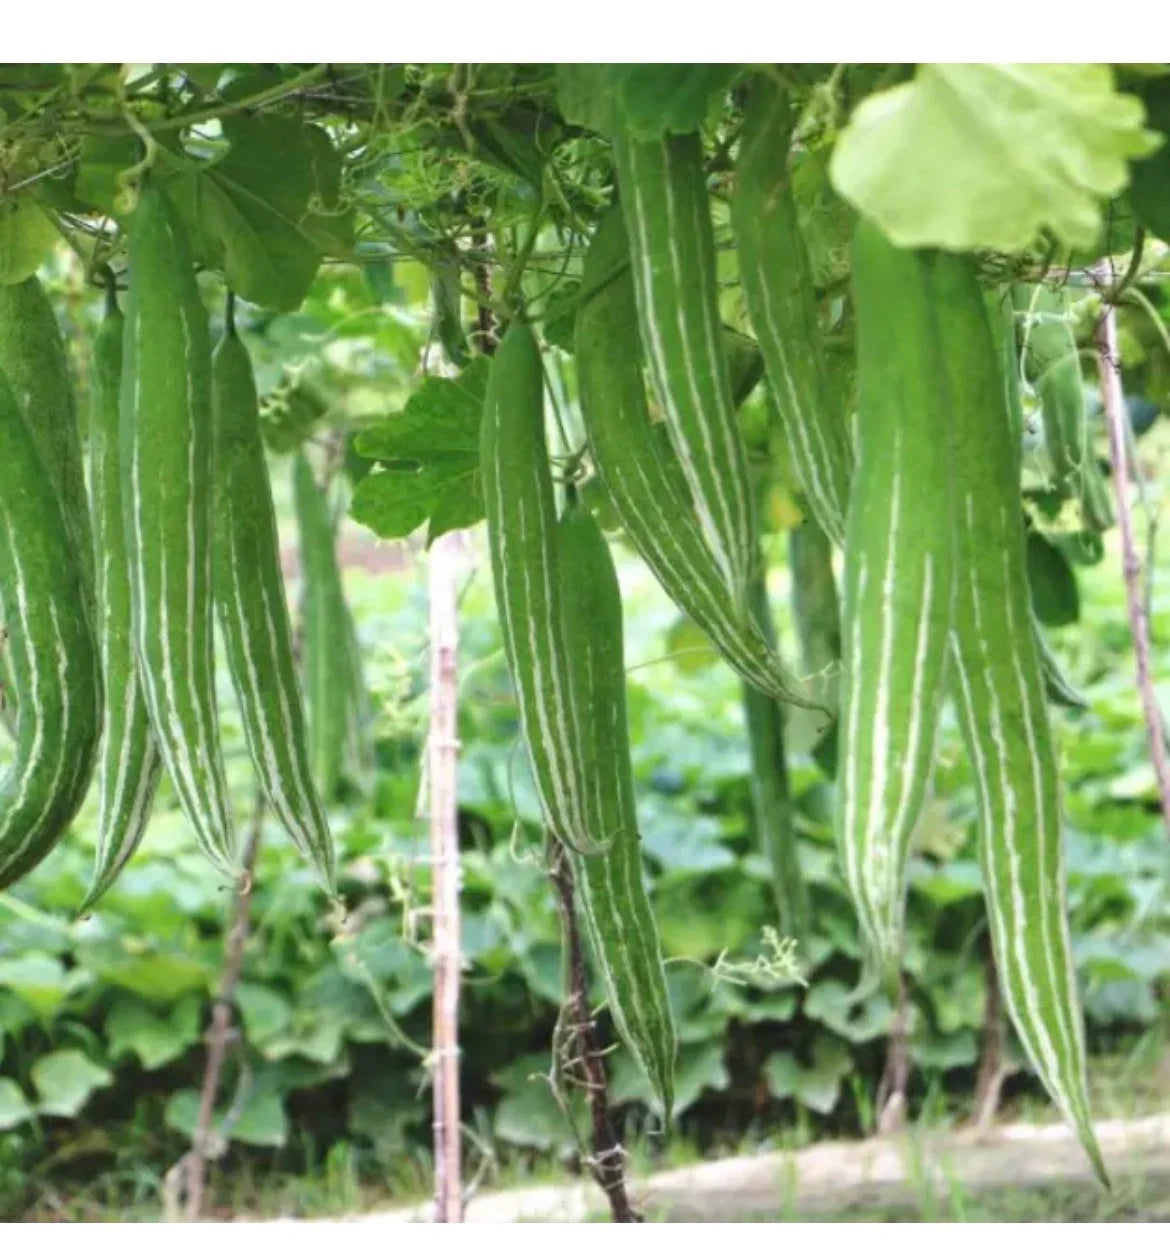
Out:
{"x": 27, "y": 237}
{"x": 680, "y": 843}
{"x": 690, "y": 650}
{"x": 329, "y": 222}
{"x": 264, "y": 1011}
{"x": 528, "y": 1114}
{"x": 156, "y": 1039}
{"x": 432, "y": 452}
{"x": 817, "y": 1085}
{"x": 154, "y": 973}
{"x": 261, "y": 1122}
{"x": 944, "y": 1052}
{"x": 38, "y": 979}
{"x": 700, "y": 1067}
{"x": 983, "y": 156}
{"x": 254, "y": 206}
{"x": 561, "y": 329}
{"x": 15, "y": 1014}
{"x": 1056, "y": 598}
{"x": 832, "y": 1003}
{"x": 64, "y": 1081}
{"x": 659, "y": 98}
{"x": 583, "y": 95}
{"x": 102, "y": 160}
{"x": 1149, "y": 191}
{"x": 14, "y": 1106}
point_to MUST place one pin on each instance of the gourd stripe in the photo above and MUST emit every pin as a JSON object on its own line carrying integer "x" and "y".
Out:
{"x": 112, "y": 803}
{"x": 800, "y": 427}
{"x": 32, "y": 764}
{"x": 266, "y": 755}
{"x": 650, "y": 503}
{"x": 170, "y": 712}
{"x": 1048, "y": 822}
{"x": 665, "y": 554}
{"x": 297, "y": 769}
{"x": 909, "y": 801}
{"x": 659, "y": 373}
{"x": 716, "y": 473}
{"x": 543, "y": 702}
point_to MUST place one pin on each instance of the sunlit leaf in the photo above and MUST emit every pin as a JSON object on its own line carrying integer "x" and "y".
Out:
{"x": 985, "y": 156}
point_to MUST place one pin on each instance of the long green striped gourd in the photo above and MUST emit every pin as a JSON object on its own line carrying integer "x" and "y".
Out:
{"x": 1001, "y": 320}
{"x": 672, "y": 250}
{"x": 253, "y": 608}
{"x": 521, "y": 529}
{"x": 778, "y": 289}
{"x": 167, "y": 466}
{"x": 652, "y": 507}
{"x": 129, "y": 764}
{"x": 50, "y": 648}
{"x": 610, "y": 882}
{"x": 32, "y": 356}
{"x": 1053, "y": 369}
{"x": 328, "y": 635}
{"x": 999, "y": 689}
{"x": 899, "y": 581}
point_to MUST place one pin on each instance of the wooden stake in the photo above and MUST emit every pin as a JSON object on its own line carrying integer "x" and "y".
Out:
{"x": 442, "y": 767}
{"x": 1116, "y": 422}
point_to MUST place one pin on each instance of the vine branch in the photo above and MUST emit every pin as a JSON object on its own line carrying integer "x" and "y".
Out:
{"x": 1116, "y": 423}
{"x": 608, "y": 1160}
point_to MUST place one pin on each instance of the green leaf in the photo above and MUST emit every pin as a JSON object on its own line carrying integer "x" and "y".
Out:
{"x": 700, "y": 1067}
{"x": 528, "y": 1114}
{"x": 254, "y": 210}
{"x": 944, "y": 1052}
{"x": 432, "y": 449}
{"x": 818, "y": 1085}
{"x": 64, "y": 1081}
{"x": 985, "y": 156}
{"x": 27, "y": 236}
{"x": 690, "y": 650}
{"x": 1056, "y": 598}
{"x": 38, "y": 979}
{"x": 583, "y": 95}
{"x": 132, "y": 1027}
{"x": 101, "y": 161}
{"x": 264, "y": 1011}
{"x": 157, "y": 974}
{"x": 261, "y": 1122}
{"x": 329, "y": 222}
{"x": 656, "y": 99}
{"x": 14, "y": 1106}
{"x": 1149, "y": 191}
{"x": 15, "y": 1014}
{"x": 561, "y": 329}
{"x": 832, "y": 1003}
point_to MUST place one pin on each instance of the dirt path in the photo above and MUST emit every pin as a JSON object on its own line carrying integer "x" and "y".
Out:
{"x": 836, "y": 1177}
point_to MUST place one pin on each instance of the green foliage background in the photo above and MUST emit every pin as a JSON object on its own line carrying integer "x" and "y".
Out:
{"x": 101, "y": 1019}
{"x": 342, "y": 220}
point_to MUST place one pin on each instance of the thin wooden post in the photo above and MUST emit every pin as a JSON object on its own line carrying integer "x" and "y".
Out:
{"x": 442, "y": 768}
